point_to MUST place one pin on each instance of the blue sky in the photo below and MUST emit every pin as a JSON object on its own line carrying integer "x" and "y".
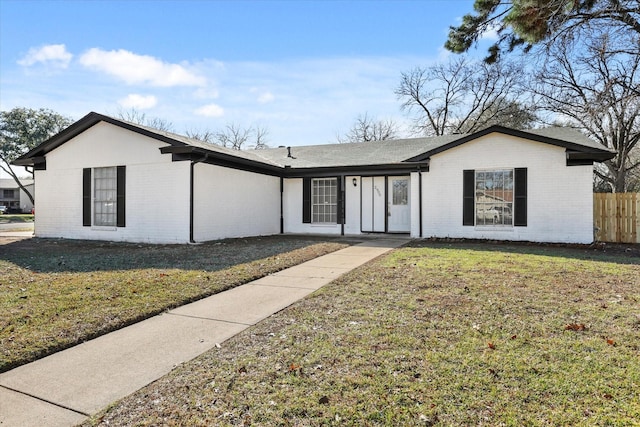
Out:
{"x": 302, "y": 69}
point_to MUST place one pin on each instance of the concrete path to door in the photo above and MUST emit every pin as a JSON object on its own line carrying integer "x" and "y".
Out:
{"x": 67, "y": 387}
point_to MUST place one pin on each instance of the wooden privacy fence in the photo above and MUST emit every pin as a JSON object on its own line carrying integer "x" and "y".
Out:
{"x": 617, "y": 217}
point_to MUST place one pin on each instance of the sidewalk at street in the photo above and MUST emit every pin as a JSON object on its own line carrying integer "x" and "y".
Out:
{"x": 65, "y": 388}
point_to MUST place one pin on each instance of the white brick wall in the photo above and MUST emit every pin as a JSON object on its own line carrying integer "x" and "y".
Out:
{"x": 352, "y": 205}
{"x": 559, "y": 197}
{"x": 157, "y": 190}
{"x": 293, "y": 212}
{"x": 415, "y": 204}
{"x": 234, "y": 203}
{"x": 293, "y": 209}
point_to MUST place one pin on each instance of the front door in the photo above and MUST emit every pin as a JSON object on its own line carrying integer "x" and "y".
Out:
{"x": 373, "y": 204}
{"x": 398, "y": 208}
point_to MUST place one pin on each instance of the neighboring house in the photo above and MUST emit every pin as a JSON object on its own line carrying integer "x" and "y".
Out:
{"x": 14, "y": 198}
{"x": 107, "y": 179}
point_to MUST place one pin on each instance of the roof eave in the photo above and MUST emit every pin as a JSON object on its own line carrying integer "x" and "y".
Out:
{"x": 375, "y": 169}
{"x": 198, "y": 154}
{"x": 80, "y": 126}
{"x": 573, "y": 147}
{"x": 596, "y": 156}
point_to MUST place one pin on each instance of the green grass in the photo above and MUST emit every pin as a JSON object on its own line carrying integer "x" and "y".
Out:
{"x": 435, "y": 334}
{"x": 56, "y": 293}
{"x": 16, "y": 219}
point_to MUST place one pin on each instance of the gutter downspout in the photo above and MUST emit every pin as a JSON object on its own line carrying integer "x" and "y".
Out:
{"x": 344, "y": 203}
{"x": 281, "y": 205}
{"x": 420, "y": 198}
{"x": 191, "y": 195}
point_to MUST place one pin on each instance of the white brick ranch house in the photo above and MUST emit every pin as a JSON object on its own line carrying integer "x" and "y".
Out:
{"x": 106, "y": 179}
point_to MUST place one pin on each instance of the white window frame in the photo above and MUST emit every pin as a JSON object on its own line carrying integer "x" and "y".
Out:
{"x": 105, "y": 197}
{"x": 324, "y": 201}
{"x": 493, "y": 186}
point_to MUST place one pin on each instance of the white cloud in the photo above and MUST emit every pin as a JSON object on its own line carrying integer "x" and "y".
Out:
{"x": 316, "y": 98}
{"x": 140, "y": 69}
{"x": 53, "y": 54}
{"x": 490, "y": 34}
{"x": 138, "y": 102}
{"x": 265, "y": 98}
{"x": 210, "y": 110}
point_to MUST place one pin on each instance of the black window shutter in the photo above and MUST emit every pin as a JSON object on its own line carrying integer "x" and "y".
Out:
{"x": 340, "y": 202}
{"x": 121, "y": 185}
{"x": 86, "y": 197}
{"x": 468, "y": 196}
{"x": 520, "y": 197}
{"x": 306, "y": 200}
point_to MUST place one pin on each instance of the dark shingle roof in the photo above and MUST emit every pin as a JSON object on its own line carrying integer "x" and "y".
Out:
{"x": 354, "y": 154}
{"x": 244, "y": 154}
{"x": 414, "y": 149}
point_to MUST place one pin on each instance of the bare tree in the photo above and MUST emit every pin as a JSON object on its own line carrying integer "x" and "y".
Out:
{"x": 460, "y": 96}
{"x": 234, "y": 136}
{"x": 204, "y": 136}
{"x": 134, "y": 116}
{"x": 596, "y": 91}
{"x": 260, "y": 137}
{"x": 512, "y": 114}
{"x": 633, "y": 177}
{"x": 368, "y": 129}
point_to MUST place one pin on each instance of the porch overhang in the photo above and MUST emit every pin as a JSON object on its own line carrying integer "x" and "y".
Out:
{"x": 362, "y": 170}
{"x": 200, "y": 155}
{"x": 579, "y": 158}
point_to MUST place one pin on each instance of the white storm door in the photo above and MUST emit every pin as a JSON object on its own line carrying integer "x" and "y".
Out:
{"x": 373, "y": 203}
{"x": 399, "y": 219}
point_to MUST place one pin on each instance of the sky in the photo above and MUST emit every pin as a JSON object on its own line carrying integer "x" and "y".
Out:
{"x": 304, "y": 70}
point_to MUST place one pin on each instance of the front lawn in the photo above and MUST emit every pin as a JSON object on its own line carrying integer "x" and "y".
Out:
{"x": 58, "y": 293}
{"x": 434, "y": 334}
{"x": 16, "y": 219}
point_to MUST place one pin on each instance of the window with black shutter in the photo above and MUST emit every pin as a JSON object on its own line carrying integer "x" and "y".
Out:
{"x": 495, "y": 197}
{"x": 103, "y": 196}
{"x": 322, "y": 201}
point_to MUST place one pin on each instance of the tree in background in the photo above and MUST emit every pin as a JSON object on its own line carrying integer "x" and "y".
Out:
{"x": 21, "y": 129}
{"x": 506, "y": 112}
{"x": 595, "y": 91}
{"x": 529, "y": 22}
{"x": 368, "y": 129}
{"x": 134, "y": 116}
{"x": 462, "y": 96}
{"x": 234, "y": 136}
{"x": 587, "y": 54}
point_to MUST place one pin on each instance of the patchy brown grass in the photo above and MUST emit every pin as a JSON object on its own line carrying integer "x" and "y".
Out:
{"x": 58, "y": 293}
{"x": 434, "y": 334}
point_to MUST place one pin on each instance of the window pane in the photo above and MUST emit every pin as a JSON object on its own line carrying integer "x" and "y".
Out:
{"x": 494, "y": 197}
{"x": 324, "y": 200}
{"x": 104, "y": 196}
{"x": 400, "y": 192}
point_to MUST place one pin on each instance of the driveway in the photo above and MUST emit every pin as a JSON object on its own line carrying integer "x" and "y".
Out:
{"x": 16, "y": 226}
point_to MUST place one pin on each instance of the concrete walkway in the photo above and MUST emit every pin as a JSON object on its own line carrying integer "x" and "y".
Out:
{"x": 67, "y": 387}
